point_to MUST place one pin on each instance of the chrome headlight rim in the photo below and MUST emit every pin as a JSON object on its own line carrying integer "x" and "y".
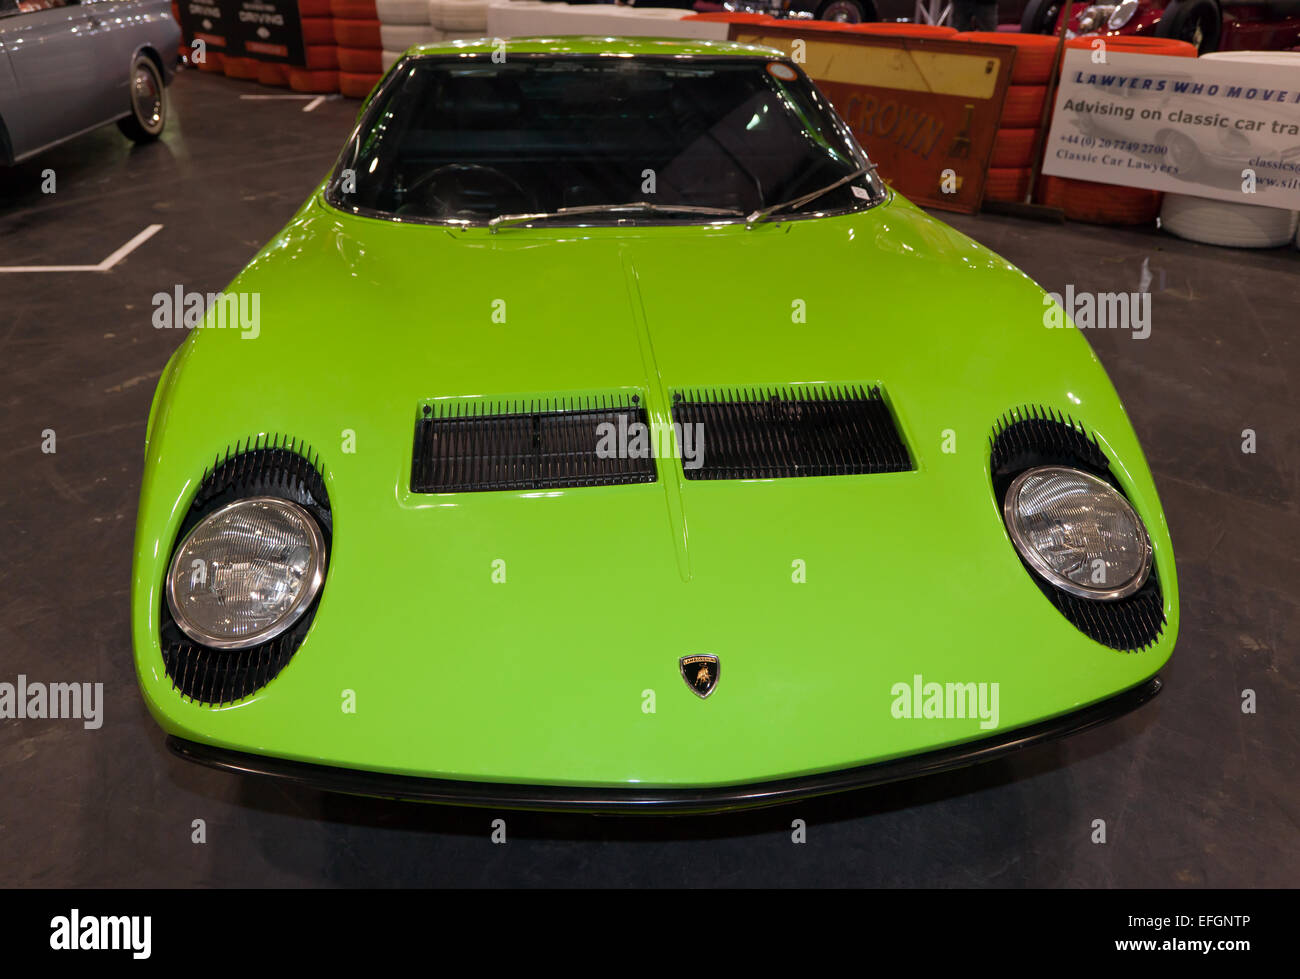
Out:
{"x": 1125, "y": 11}
{"x": 1049, "y": 574}
{"x": 309, "y": 594}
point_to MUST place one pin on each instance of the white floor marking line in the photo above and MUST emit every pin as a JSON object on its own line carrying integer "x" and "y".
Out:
{"x": 319, "y": 99}
{"x": 129, "y": 247}
{"x": 311, "y": 100}
{"x": 103, "y": 266}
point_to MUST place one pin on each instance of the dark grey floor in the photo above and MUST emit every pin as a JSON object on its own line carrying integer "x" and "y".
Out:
{"x": 1193, "y": 791}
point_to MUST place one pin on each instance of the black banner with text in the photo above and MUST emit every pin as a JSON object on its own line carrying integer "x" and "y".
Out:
{"x": 268, "y": 30}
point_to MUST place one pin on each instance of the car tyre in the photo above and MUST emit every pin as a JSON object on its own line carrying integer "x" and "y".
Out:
{"x": 1040, "y": 17}
{"x": 1198, "y": 22}
{"x": 148, "y": 115}
{"x": 845, "y": 11}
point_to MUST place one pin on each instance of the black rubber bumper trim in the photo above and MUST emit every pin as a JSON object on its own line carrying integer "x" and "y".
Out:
{"x": 651, "y": 801}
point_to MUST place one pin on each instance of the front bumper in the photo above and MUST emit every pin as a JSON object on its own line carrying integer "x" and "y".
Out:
{"x": 665, "y": 801}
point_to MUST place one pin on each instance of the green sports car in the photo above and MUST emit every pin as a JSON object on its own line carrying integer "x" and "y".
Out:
{"x": 603, "y": 434}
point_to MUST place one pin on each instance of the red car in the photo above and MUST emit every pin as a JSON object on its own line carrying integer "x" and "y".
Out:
{"x": 1211, "y": 25}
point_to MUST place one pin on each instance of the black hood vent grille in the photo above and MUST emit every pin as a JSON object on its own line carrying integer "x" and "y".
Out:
{"x": 773, "y": 433}
{"x": 478, "y": 446}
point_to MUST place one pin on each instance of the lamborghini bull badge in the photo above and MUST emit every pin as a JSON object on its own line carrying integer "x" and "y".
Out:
{"x": 700, "y": 672}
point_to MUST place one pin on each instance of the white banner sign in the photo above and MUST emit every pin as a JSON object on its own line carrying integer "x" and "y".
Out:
{"x": 1220, "y": 129}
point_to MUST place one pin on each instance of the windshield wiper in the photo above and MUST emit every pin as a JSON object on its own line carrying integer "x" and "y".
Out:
{"x": 765, "y": 213}
{"x": 507, "y": 220}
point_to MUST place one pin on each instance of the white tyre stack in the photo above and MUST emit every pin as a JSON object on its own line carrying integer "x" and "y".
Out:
{"x": 459, "y": 18}
{"x": 521, "y": 18}
{"x": 414, "y": 12}
{"x": 398, "y": 37}
{"x": 663, "y": 13}
{"x": 1227, "y": 223}
{"x": 402, "y": 24}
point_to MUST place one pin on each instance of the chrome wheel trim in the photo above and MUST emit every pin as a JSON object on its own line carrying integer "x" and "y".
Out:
{"x": 146, "y": 97}
{"x": 842, "y": 12}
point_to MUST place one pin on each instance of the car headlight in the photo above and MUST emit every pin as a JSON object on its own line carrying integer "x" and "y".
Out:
{"x": 246, "y": 573}
{"x": 1078, "y": 532}
{"x": 1091, "y": 17}
{"x": 1122, "y": 14}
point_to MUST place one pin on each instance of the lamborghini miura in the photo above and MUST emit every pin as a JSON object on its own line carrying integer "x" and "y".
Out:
{"x": 613, "y": 438}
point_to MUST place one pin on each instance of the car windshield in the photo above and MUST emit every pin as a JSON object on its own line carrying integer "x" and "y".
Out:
{"x": 591, "y": 139}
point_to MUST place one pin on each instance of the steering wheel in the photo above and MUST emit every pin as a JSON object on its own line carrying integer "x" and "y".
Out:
{"x": 449, "y": 191}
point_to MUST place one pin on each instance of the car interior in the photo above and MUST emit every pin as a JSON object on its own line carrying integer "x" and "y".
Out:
{"x": 471, "y": 143}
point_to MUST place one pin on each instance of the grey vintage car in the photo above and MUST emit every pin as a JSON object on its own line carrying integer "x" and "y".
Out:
{"x": 69, "y": 67}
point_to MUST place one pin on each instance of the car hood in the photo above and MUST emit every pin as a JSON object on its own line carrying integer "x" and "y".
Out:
{"x": 535, "y": 636}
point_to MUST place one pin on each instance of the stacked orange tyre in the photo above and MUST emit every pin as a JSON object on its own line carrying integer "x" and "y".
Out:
{"x": 311, "y": 81}
{"x": 1094, "y": 203}
{"x": 273, "y": 73}
{"x": 359, "y": 46}
{"x": 1012, "y": 161}
{"x": 891, "y": 29}
{"x": 317, "y": 31}
{"x": 1023, "y": 106}
{"x": 1013, "y": 148}
{"x": 245, "y": 68}
{"x": 1035, "y": 54}
{"x": 728, "y": 17}
{"x": 1007, "y": 183}
{"x": 319, "y": 75}
{"x": 1133, "y": 44}
{"x": 356, "y": 85}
